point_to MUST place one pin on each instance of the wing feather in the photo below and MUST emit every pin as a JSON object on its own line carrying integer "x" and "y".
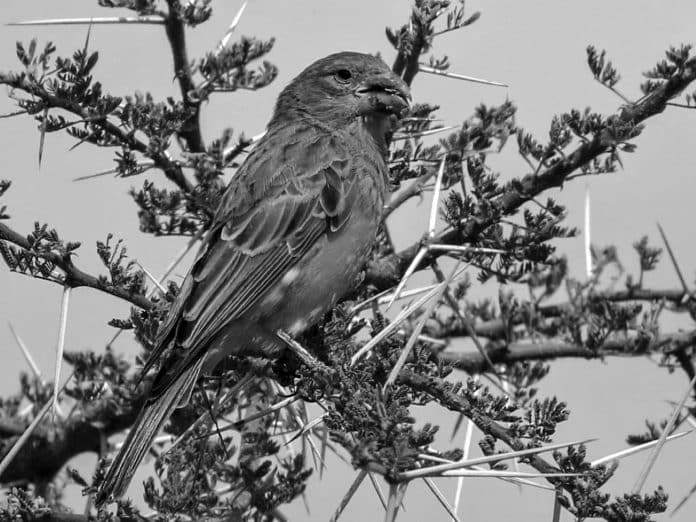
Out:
{"x": 282, "y": 201}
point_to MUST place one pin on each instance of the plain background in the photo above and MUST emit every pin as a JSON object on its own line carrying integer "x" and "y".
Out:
{"x": 537, "y": 47}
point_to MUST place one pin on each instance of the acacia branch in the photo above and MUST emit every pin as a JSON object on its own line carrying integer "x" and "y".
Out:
{"x": 51, "y": 447}
{"x": 176, "y": 35}
{"x": 74, "y": 277}
{"x": 171, "y": 170}
{"x": 496, "y": 329}
{"x": 503, "y": 353}
{"x": 385, "y": 272}
{"x": 441, "y": 391}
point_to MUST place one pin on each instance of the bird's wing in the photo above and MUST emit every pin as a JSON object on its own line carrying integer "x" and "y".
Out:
{"x": 284, "y": 198}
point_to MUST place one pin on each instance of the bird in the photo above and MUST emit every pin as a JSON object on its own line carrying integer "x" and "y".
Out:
{"x": 290, "y": 236}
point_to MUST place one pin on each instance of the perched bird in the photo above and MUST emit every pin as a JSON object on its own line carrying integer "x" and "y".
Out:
{"x": 291, "y": 234}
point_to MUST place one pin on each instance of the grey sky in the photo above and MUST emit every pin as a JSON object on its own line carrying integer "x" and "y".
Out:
{"x": 537, "y": 47}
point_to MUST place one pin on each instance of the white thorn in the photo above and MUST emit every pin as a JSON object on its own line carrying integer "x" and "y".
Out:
{"x": 149, "y": 19}
{"x": 65, "y": 303}
{"x": 588, "y": 239}
{"x": 465, "y": 248}
{"x": 436, "y": 200}
{"x": 465, "y": 455}
{"x": 431, "y": 70}
{"x": 636, "y": 449}
{"x": 411, "y": 268}
{"x": 10, "y": 455}
{"x": 27, "y": 354}
{"x": 228, "y": 34}
{"x": 457, "y": 466}
{"x": 663, "y": 438}
{"x": 153, "y": 279}
{"x": 429, "y": 132}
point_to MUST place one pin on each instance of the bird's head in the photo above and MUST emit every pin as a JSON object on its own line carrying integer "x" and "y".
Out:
{"x": 342, "y": 87}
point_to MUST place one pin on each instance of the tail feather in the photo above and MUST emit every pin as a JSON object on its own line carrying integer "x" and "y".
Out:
{"x": 149, "y": 422}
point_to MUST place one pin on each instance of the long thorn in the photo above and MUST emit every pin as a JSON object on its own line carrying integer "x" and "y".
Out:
{"x": 42, "y": 137}
{"x": 396, "y": 495}
{"x": 153, "y": 279}
{"x": 64, "y": 305}
{"x": 436, "y": 200}
{"x": 636, "y": 449}
{"x": 557, "y": 505}
{"x": 378, "y": 490}
{"x": 674, "y": 260}
{"x": 441, "y": 498}
{"x": 349, "y": 495}
{"x": 465, "y": 455}
{"x": 588, "y": 239}
{"x": 411, "y": 268}
{"x": 430, "y": 70}
{"x": 663, "y": 438}
{"x": 228, "y": 34}
{"x": 14, "y": 450}
{"x": 141, "y": 167}
{"x": 421, "y": 134}
{"x": 405, "y": 352}
{"x": 27, "y": 354}
{"x": 466, "y": 249}
{"x": 437, "y": 470}
{"x": 153, "y": 19}
{"x": 492, "y": 473}
{"x": 9, "y": 457}
{"x": 396, "y": 322}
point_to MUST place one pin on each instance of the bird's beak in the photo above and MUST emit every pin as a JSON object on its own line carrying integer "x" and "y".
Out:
{"x": 384, "y": 94}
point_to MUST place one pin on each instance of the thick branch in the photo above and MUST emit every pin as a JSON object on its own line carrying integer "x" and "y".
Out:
{"x": 162, "y": 161}
{"x": 473, "y": 362}
{"x": 497, "y": 328}
{"x": 52, "y": 446}
{"x": 191, "y": 129}
{"x": 75, "y": 277}
{"x": 388, "y": 270}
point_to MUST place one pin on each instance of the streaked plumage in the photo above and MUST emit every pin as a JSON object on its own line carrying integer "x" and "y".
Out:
{"x": 292, "y": 232}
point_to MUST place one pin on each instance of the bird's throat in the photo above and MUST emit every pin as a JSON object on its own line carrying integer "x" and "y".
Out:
{"x": 380, "y": 127}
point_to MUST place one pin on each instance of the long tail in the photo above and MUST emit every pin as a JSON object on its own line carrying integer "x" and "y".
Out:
{"x": 149, "y": 422}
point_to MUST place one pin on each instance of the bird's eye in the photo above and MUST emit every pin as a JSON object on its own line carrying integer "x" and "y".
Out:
{"x": 343, "y": 75}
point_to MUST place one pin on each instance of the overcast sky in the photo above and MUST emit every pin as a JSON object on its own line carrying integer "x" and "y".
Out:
{"x": 537, "y": 47}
